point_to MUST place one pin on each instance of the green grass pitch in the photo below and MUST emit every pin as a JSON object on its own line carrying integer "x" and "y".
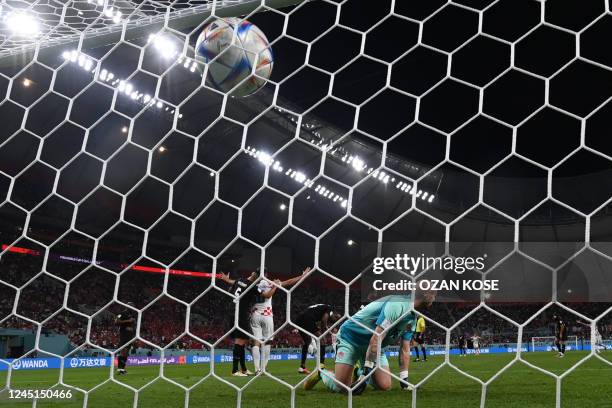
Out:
{"x": 590, "y": 385}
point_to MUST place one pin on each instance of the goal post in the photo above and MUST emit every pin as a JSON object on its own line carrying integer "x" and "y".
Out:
{"x": 541, "y": 343}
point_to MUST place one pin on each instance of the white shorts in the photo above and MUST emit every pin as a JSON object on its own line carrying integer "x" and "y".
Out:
{"x": 262, "y": 327}
{"x": 476, "y": 345}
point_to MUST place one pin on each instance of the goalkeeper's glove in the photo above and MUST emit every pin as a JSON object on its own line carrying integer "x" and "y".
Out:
{"x": 368, "y": 367}
{"x": 403, "y": 375}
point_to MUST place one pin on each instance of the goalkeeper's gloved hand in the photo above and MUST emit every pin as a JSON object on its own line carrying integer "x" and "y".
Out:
{"x": 403, "y": 375}
{"x": 368, "y": 367}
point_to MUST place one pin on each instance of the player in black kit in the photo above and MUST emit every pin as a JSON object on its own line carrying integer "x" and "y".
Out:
{"x": 126, "y": 321}
{"x": 240, "y": 334}
{"x": 560, "y": 334}
{"x": 462, "y": 344}
{"x": 315, "y": 319}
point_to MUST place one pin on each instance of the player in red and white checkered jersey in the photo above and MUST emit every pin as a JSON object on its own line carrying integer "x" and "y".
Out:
{"x": 262, "y": 322}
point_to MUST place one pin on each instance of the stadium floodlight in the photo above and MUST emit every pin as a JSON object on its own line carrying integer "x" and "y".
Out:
{"x": 300, "y": 177}
{"x": 358, "y": 164}
{"x": 163, "y": 45}
{"x": 283, "y": 207}
{"x": 265, "y": 158}
{"x": 22, "y": 24}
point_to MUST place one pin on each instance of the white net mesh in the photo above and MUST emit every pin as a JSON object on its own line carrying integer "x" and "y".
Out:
{"x": 28, "y": 24}
{"x": 129, "y": 183}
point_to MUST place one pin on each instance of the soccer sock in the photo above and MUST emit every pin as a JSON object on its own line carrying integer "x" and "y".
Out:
{"x": 266, "y": 356}
{"x": 235, "y": 358}
{"x": 304, "y": 353}
{"x": 243, "y": 358}
{"x": 424, "y": 352}
{"x": 329, "y": 379}
{"x": 256, "y": 357}
{"x": 322, "y": 355}
{"x": 121, "y": 362}
{"x": 416, "y": 350}
{"x": 563, "y": 348}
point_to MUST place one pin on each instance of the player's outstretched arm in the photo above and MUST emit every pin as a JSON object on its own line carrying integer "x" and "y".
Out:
{"x": 293, "y": 281}
{"x": 225, "y": 278}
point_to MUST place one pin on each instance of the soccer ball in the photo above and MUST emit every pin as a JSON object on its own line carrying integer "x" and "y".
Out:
{"x": 312, "y": 347}
{"x": 230, "y": 60}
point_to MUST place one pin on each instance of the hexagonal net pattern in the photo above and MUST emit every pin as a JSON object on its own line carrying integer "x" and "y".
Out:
{"x": 44, "y": 23}
{"x": 135, "y": 193}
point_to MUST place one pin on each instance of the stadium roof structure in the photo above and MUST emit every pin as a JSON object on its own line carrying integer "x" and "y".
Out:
{"x": 445, "y": 193}
{"x": 271, "y": 120}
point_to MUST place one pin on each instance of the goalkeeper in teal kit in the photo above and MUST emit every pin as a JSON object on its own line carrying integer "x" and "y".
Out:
{"x": 386, "y": 321}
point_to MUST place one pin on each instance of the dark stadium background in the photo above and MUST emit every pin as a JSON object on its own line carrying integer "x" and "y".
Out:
{"x": 583, "y": 181}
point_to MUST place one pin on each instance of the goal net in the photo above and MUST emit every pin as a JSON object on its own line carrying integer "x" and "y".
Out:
{"x": 146, "y": 207}
{"x": 547, "y": 343}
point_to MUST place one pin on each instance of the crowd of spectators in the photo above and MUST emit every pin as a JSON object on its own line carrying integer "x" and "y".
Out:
{"x": 190, "y": 310}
